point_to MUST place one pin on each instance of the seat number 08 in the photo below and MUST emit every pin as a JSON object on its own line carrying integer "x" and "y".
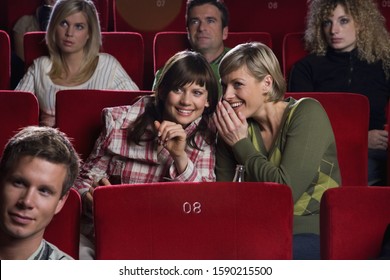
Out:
{"x": 195, "y": 208}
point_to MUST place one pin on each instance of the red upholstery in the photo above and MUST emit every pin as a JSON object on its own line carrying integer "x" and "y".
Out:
{"x": 5, "y": 58}
{"x": 103, "y": 9}
{"x": 64, "y": 229}
{"x": 275, "y": 17}
{"x": 17, "y": 9}
{"x": 293, "y": 50}
{"x": 166, "y": 44}
{"x": 148, "y": 18}
{"x": 78, "y": 113}
{"x": 34, "y": 46}
{"x": 17, "y": 110}
{"x": 187, "y": 220}
{"x": 353, "y": 222}
{"x": 388, "y": 141}
{"x": 126, "y": 47}
{"x": 384, "y": 7}
{"x": 349, "y": 116}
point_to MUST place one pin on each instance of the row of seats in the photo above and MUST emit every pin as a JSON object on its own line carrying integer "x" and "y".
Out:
{"x": 128, "y": 48}
{"x": 83, "y": 124}
{"x": 150, "y": 17}
{"x": 76, "y": 115}
{"x": 19, "y": 109}
{"x": 173, "y": 220}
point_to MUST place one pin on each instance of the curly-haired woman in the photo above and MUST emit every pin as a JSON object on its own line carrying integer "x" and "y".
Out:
{"x": 350, "y": 52}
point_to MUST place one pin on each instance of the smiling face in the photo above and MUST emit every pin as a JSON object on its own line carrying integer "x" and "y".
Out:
{"x": 72, "y": 33}
{"x": 245, "y": 93}
{"x": 30, "y": 197}
{"x": 186, "y": 104}
{"x": 340, "y": 30}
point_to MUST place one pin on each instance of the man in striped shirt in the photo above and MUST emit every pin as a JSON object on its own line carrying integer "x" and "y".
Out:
{"x": 37, "y": 169}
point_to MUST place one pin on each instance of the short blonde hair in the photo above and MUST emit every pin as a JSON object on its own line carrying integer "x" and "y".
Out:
{"x": 260, "y": 62}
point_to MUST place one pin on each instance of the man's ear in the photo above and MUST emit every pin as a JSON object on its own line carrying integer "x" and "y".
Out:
{"x": 225, "y": 32}
{"x": 61, "y": 202}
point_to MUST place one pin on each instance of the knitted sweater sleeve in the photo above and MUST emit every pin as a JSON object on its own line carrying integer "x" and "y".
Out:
{"x": 307, "y": 142}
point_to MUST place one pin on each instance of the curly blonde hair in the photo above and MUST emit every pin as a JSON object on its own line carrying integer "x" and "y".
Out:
{"x": 372, "y": 38}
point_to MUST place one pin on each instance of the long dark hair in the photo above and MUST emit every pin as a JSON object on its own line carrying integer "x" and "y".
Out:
{"x": 183, "y": 68}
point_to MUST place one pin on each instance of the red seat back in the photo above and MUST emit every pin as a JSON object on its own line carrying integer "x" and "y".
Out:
{"x": 16, "y": 9}
{"x": 64, "y": 229}
{"x": 17, "y": 110}
{"x": 274, "y": 17}
{"x": 5, "y": 58}
{"x": 78, "y": 113}
{"x": 187, "y": 220}
{"x": 103, "y": 9}
{"x": 126, "y": 47}
{"x": 384, "y": 7}
{"x": 353, "y": 222}
{"x": 148, "y": 18}
{"x": 293, "y": 50}
{"x": 166, "y": 44}
{"x": 349, "y": 116}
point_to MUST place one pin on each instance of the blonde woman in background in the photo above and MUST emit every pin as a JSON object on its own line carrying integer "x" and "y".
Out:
{"x": 74, "y": 39}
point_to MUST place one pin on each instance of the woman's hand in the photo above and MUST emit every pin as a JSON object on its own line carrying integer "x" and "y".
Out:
{"x": 377, "y": 139}
{"x": 231, "y": 127}
{"x": 173, "y": 137}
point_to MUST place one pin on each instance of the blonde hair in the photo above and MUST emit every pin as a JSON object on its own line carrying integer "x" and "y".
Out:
{"x": 372, "y": 37}
{"x": 260, "y": 62}
{"x": 61, "y": 10}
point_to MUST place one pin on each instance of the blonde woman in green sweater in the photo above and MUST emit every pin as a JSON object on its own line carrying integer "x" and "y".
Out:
{"x": 284, "y": 141}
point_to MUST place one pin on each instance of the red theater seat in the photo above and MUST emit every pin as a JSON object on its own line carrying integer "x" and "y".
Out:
{"x": 78, "y": 113}
{"x": 148, "y": 18}
{"x": 64, "y": 229}
{"x": 384, "y": 7}
{"x": 16, "y": 9}
{"x": 17, "y": 110}
{"x": 187, "y": 220}
{"x": 103, "y": 9}
{"x": 126, "y": 47}
{"x": 277, "y": 17}
{"x": 293, "y": 50}
{"x": 353, "y": 222}
{"x": 349, "y": 116}
{"x": 5, "y": 58}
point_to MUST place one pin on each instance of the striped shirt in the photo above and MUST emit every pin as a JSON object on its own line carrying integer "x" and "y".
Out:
{"x": 113, "y": 157}
{"x": 48, "y": 251}
{"x": 109, "y": 74}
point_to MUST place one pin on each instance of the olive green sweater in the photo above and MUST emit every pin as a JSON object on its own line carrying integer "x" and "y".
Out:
{"x": 303, "y": 156}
